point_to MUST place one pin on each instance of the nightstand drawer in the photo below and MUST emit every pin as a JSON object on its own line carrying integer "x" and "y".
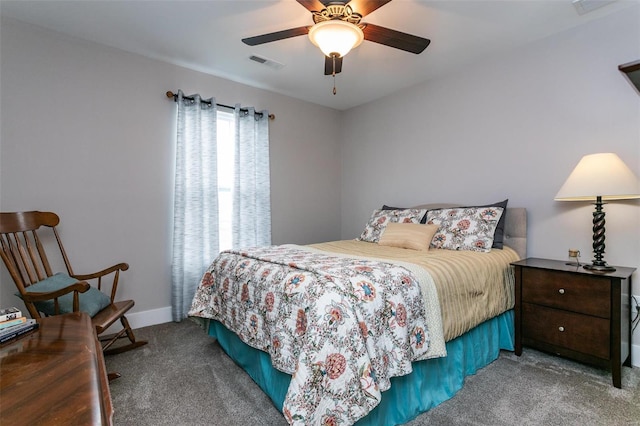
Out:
{"x": 578, "y": 293}
{"x": 581, "y": 333}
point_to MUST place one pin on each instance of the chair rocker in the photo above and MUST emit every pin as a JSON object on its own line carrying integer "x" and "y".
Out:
{"x": 43, "y": 292}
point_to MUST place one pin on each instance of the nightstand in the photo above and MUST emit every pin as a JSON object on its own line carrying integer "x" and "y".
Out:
{"x": 575, "y": 313}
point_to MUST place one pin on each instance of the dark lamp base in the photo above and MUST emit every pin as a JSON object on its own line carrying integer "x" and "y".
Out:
{"x": 599, "y": 268}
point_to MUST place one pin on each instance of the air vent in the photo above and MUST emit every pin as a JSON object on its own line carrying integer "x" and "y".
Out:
{"x": 265, "y": 61}
{"x": 586, "y": 6}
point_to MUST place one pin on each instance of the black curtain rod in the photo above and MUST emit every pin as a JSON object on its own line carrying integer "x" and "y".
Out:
{"x": 173, "y": 96}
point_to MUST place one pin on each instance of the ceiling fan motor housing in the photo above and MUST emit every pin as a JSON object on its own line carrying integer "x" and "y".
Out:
{"x": 337, "y": 11}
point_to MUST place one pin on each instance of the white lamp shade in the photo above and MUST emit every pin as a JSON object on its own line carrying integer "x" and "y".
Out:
{"x": 336, "y": 37}
{"x": 604, "y": 175}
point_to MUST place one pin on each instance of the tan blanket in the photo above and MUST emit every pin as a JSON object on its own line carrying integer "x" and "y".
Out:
{"x": 472, "y": 286}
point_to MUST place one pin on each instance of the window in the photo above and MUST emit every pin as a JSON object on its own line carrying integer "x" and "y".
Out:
{"x": 226, "y": 136}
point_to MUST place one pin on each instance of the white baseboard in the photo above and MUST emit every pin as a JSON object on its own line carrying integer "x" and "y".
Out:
{"x": 144, "y": 319}
{"x": 163, "y": 315}
{"x": 151, "y": 317}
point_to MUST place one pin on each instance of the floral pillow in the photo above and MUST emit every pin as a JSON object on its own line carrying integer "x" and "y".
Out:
{"x": 465, "y": 228}
{"x": 380, "y": 218}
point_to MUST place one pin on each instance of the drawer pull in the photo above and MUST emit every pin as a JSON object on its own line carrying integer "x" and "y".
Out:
{"x": 560, "y": 328}
{"x": 561, "y": 291}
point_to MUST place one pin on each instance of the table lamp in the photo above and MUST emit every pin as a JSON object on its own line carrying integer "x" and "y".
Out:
{"x": 598, "y": 178}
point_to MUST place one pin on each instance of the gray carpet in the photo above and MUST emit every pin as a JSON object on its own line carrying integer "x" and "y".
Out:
{"x": 182, "y": 377}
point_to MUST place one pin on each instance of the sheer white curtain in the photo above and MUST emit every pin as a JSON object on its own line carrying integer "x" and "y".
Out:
{"x": 196, "y": 215}
{"x": 251, "y": 185}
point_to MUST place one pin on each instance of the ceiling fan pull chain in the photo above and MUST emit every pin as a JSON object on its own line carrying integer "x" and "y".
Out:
{"x": 334, "y": 74}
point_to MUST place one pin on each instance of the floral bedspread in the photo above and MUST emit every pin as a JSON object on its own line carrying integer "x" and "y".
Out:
{"x": 342, "y": 327}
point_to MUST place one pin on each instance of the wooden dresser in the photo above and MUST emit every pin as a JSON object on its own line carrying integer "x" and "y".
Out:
{"x": 55, "y": 376}
{"x": 573, "y": 312}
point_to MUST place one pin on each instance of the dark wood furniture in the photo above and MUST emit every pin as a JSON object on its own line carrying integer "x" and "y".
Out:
{"x": 24, "y": 255}
{"x": 573, "y": 312}
{"x": 632, "y": 70}
{"x": 55, "y": 375}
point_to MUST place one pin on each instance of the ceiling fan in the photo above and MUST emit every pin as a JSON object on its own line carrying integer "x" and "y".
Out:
{"x": 338, "y": 29}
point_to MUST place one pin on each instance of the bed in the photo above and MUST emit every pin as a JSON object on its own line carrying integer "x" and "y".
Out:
{"x": 368, "y": 331}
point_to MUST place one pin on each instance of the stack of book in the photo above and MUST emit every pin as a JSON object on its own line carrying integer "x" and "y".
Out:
{"x": 13, "y": 324}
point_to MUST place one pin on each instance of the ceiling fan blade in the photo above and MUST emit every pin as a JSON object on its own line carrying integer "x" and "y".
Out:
{"x": 312, "y": 5}
{"x": 328, "y": 65}
{"x": 393, "y": 38}
{"x": 278, "y": 35}
{"x": 365, "y": 7}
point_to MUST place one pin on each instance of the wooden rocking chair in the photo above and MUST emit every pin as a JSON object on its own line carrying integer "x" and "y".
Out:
{"x": 44, "y": 292}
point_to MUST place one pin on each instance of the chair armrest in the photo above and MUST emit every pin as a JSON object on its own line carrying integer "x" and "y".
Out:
{"x": 80, "y": 286}
{"x": 76, "y": 288}
{"x": 114, "y": 285}
{"x": 118, "y": 267}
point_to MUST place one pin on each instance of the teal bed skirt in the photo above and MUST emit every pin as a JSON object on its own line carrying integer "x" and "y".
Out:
{"x": 432, "y": 381}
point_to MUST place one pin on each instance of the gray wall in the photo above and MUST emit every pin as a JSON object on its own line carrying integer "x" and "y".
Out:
{"x": 87, "y": 132}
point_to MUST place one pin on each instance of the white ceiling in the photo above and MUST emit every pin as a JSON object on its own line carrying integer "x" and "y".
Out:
{"x": 205, "y": 36}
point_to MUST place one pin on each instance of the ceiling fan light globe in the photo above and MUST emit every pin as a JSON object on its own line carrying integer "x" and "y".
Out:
{"x": 336, "y": 37}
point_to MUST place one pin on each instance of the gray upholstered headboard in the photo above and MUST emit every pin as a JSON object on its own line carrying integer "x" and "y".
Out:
{"x": 515, "y": 226}
{"x": 515, "y": 230}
